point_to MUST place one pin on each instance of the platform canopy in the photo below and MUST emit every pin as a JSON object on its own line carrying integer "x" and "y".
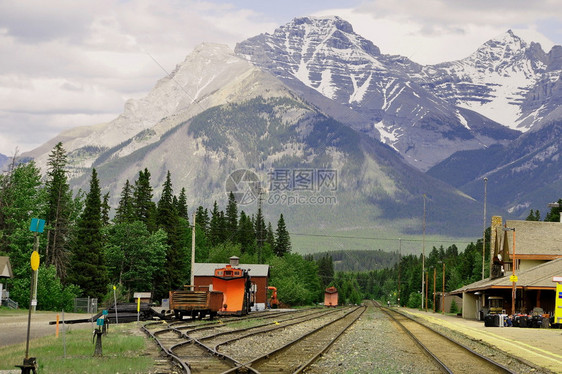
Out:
{"x": 538, "y": 277}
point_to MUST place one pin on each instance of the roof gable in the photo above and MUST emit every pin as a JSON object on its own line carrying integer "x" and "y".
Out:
{"x": 5, "y": 267}
{"x": 208, "y": 269}
{"x": 535, "y": 238}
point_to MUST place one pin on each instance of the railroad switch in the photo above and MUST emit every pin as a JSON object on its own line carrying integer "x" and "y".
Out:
{"x": 29, "y": 365}
{"x": 98, "y": 351}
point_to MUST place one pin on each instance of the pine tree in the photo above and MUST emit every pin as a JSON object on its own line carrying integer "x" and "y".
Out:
{"x": 261, "y": 230}
{"x": 270, "y": 238}
{"x": 326, "y": 270}
{"x": 554, "y": 214}
{"x": 105, "y": 208}
{"x": 231, "y": 216}
{"x": 143, "y": 206}
{"x": 125, "y": 211}
{"x": 168, "y": 220}
{"x": 533, "y": 216}
{"x": 215, "y": 234}
{"x": 87, "y": 266}
{"x": 202, "y": 219}
{"x": 246, "y": 235}
{"x": 182, "y": 205}
{"x": 282, "y": 239}
{"x": 59, "y": 209}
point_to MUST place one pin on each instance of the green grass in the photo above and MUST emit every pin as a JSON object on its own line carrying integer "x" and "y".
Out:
{"x": 124, "y": 351}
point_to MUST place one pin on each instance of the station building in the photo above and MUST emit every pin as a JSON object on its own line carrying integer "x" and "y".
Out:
{"x": 534, "y": 248}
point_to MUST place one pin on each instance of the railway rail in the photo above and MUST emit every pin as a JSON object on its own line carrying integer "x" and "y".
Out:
{"x": 197, "y": 348}
{"x": 448, "y": 355}
{"x": 298, "y": 354}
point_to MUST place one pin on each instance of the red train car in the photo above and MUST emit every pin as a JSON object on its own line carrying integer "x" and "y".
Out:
{"x": 236, "y": 287}
{"x": 331, "y": 296}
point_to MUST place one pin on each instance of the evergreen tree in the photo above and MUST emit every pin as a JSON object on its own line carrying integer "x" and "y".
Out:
{"x": 87, "y": 266}
{"x": 554, "y": 214}
{"x": 59, "y": 206}
{"x": 231, "y": 216}
{"x": 143, "y": 206}
{"x": 533, "y": 216}
{"x": 202, "y": 219}
{"x": 182, "y": 205}
{"x": 168, "y": 220}
{"x": 270, "y": 237}
{"x": 282, "y": 239}
{"x": 215, "y": 227}
{"x": 105, "y": 208}
{"x": 246, "y": 235}
{"x": 125, "y": 210}
{"x": 261, "y": 233}
{"x": 326, "y": 270}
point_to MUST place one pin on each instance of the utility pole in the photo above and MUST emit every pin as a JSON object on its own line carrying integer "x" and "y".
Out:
{"x": 513, "y": 277}
{"x": 423, "y": 253}
{"x": 443, "y": 292}
{"x": 399, "y": 261}
{"x": 193, "y": 254}
{"x": 426, "y": 289}
{"x": 260, "y": 233}
{"x": 484, "y": 230}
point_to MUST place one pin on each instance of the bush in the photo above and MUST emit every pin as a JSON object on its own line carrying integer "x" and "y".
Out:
{"x": 414, "y": 300}
{"x": 51, "y": 294}
{"x": 454, "y": 308}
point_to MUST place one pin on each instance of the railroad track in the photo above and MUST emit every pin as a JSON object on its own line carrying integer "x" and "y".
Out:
{"x": 299, "y": 353}
{"x": 206, "y": 353}
{"x": 449, "y": 355}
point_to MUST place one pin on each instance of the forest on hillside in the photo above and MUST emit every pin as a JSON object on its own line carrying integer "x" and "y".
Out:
{"x": 145, "y": 245}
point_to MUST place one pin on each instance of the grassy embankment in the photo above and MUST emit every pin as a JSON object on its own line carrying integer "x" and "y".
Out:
{"x": 124, "y": 351}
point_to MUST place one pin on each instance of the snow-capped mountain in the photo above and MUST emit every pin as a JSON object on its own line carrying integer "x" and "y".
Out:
{"x": 324, "y": 57}
{"x": 499, "y": 80}
{"x": 315, "y": 95}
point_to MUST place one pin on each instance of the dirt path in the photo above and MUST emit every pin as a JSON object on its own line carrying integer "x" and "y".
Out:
{"x": 13, "y": 327}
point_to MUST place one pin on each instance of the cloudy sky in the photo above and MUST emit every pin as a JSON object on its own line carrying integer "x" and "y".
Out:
{"x": 68, "y": 63}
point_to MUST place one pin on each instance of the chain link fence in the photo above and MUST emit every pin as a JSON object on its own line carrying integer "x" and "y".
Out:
{"x": 86, "y": 305}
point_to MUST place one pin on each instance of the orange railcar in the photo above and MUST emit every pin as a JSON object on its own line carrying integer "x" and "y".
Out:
{"x": 236, "y": 287}
{"x": 331, "y": 296}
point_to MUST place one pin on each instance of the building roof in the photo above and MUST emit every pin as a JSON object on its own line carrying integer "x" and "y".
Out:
{"x": 208, "y": 269}
{"x": 5, "y": 267}
{"x": 536, "y": 239}
{"x": 538, "y": 277}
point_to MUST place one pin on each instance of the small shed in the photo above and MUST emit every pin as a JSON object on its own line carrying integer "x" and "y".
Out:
{"x": 145, "y": 297}
{"x": 259, "y": 274}
{"x": 5, "y": 272}
{"x": 331, "y": 296}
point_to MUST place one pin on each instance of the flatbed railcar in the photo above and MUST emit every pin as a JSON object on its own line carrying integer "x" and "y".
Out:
{"x": 195, "y": 304}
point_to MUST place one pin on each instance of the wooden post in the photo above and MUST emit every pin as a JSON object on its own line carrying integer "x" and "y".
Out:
{"x": 426, "y": 292}
{"x": 443, "y": 293}
{"x": 513, "y": 288}
{"x": 434, "y": 272}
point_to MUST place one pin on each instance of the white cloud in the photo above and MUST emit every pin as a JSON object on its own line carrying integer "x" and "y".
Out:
{"x": 435, "y": 31}
{"x": 67, "y": 63}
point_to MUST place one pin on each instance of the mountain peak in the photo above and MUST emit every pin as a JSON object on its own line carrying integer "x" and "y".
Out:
{"x": 326, "y": 21}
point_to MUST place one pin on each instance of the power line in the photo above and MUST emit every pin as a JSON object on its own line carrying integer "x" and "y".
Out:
{"x": 373, "y": 238}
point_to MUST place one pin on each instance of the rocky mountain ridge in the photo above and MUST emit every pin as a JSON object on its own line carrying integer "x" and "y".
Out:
{"x": 314, "y": 95}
